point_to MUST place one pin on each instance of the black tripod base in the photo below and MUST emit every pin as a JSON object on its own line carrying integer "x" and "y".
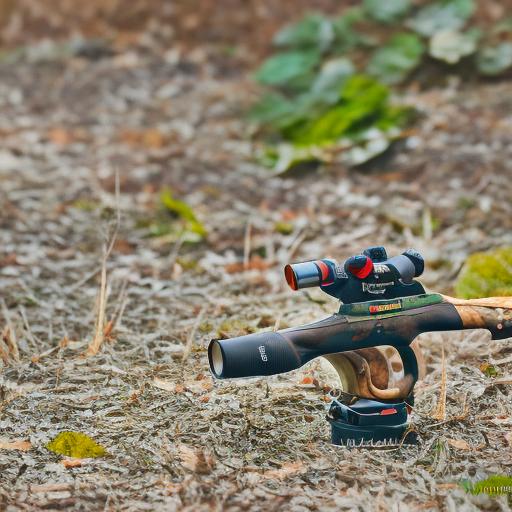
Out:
{"x": 369, "y": 423}
{"x": 369, "y": 437}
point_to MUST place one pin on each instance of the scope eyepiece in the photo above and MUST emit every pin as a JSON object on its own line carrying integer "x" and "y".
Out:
{"x": 310, "y": 273}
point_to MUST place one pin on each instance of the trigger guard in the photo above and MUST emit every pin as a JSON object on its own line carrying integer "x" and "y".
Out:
{"x": 355, "y": 369}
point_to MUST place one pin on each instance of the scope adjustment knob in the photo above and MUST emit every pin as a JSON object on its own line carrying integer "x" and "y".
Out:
{"x": 360, "y": 266}
{"x": 417, "y": 261}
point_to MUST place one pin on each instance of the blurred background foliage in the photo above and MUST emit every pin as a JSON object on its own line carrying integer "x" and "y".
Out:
{"x": 332, "y": 85}
{"x": 330, "y": 79}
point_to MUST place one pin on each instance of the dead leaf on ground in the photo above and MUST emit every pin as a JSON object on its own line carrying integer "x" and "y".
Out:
{"x": 310, "y": 381}
{"x": 287, "y": 469}
{"x": 151, "y": 139}
{"x": 173, "y": 488}
{"x": 449, "y": 485}
{"x": 440, "y": 410}
{"x": 508, "y": 438}
{"x": 196, "y": 460}
{"x": 460, "y": 444}
{"x": 165, "y": 385}
{"x": 23, "y": 446}
{"x": 62, "y": 136}
{"x": 71, "y": 463}
{"x": 255, "y": 263}
{"x": 8, "y": 260}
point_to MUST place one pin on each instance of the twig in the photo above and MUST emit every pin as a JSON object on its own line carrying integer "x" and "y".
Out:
{"x": 82, "y": 281}
{"x": 440, "y": 411}
{"x": 278, "y": 321}
{"x": 296, "y": 244}
{"x": 122, "y": 301}
{"x": 502, "y": 361}
{"x": 99, "y": 334}
{"x": 247, "y": 245}
{"x": 35, "y": 341}
{"x": 191, "y": 336}
{"x": 101, "y": 305}
{"x": 10, "y": 335}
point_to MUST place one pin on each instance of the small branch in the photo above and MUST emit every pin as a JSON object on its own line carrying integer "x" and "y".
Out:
{"x": 440, "y": 411}
{"x": 9, "y": 335}
{"x": 99, "y": 331}
{"x": 192, "y": 334}
{"x": 247, "y": 245}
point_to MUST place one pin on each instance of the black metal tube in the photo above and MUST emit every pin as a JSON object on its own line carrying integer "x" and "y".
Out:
{"x": 270, "y": 353}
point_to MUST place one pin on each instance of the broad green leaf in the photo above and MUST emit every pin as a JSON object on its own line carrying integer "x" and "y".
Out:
{"x": 285, "y": 115}
{"x": 344, "y": 34}
{"x": 442, "y": 15}
{"x": 183, "y": 211}
{"x": 450, "y": 46}
{"x": 393, "y": 62}
{"x": 486, "y": 274}
{"x": 271, "y": 109}
{"x": 386, "y": 11}
{"x": 361, "y": 101}
{"x": 313, "y": 31}
{"x": 283, "y": 69}
{"x": 76, "y": 444}
{"x": 332, "y": 76}
{"x": 494, "y": 60}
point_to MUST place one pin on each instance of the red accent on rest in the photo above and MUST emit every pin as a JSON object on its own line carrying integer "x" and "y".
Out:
{"x": 324, "y": 269}
{"x": 386, "y": 412}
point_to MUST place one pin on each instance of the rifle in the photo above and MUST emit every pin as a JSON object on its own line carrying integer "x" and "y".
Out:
{"x": 382, "y": 304}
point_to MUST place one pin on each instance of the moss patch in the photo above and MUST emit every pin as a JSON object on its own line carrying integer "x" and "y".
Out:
{"x": 76, "y": 444}
{"x": 486, "y": 274}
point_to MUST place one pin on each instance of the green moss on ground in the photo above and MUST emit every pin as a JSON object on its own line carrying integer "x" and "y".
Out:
{"x": 76, "y": 444}
{"x": 486, "y": 274}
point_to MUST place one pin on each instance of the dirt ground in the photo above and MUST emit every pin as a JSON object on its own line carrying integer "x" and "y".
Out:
{"x": 163, "y": 104}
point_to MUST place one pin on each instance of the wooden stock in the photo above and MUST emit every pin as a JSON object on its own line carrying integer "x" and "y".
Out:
{"x": 491, "y": 313}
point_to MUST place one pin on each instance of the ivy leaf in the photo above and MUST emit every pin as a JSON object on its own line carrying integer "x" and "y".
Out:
{"x": 272, "y": 109}
{"x": 386, "y": 11}
{"x": 494, "y": 60}
{"x": 442, "y": 15}
{"x": 313, "y": 31}
{"x": 332, "y": 76}
{"x": 288, "y": 68}
{"x": 345, "y": 37}
{"x": 450, "y": 46}
{"x": 397, "y": 58}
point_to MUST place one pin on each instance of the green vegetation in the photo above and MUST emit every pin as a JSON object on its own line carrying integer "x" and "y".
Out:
{"x": 76, "y": 444}
{"x": 494, "y": 485}
{"x": 174, "y": 219}
{"x": 486, "y": 274}
{"x": 327, "y": 96}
